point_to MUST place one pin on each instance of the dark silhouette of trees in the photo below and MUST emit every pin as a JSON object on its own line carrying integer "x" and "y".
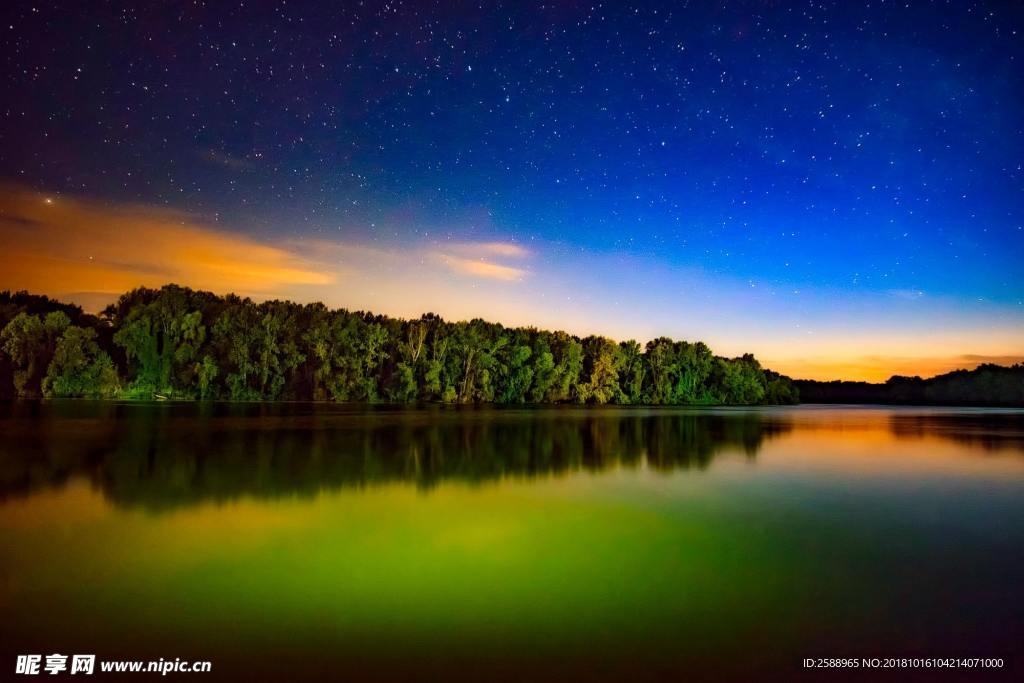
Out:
{"x": 986, "y": 385}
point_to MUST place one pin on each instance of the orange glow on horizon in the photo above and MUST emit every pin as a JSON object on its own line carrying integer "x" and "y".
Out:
{"x": 881, "y": 368}
{"x": 89, "y": 252}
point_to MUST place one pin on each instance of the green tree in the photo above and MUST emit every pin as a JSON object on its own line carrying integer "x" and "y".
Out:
{"x": 779, "y": 390}
{"x": 661, "y": 370}
{"x": 694, "y": 366}
{"x": 206, "y": 374}
{"x": 402, "y": 387}
{"x": 80, "y": 368}
{"x": 30, "y": 341}
{"x": 601, "y": 370}
{"x": 632, "y": 371}
{"x": 476, "y": 347}
{"x": 739, "y": 381}
{"x": 568, "y": 356}
{"x": 372, "y": 352}
{"x": 517, "y": 375}
{"x": 258, "y": 349}
{"x": 161, "y": 335}
{"x": 192, "y": 344}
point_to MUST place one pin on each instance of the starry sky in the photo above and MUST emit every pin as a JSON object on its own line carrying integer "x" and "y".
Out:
{"x": 834, "y": 186}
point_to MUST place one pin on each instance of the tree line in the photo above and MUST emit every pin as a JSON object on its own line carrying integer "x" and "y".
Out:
{"x": 179, "y": 343}
{"x": 986, "y": 385}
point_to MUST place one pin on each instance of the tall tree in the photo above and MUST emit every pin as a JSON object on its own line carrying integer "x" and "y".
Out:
{"x": 30, "y": 341}
{"x": 601, "y": 370}
{"x": 80, "y": 368}
{"x": 632, "y": 371}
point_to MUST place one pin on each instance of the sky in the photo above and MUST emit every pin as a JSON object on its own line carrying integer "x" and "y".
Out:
{"x": 834, "y": 187}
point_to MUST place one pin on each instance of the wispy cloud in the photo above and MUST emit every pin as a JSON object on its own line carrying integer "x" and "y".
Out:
{"x": 479, "y": 267}
{"x": 90, "y": 251}
{"x": 472, "y": 259}
{"x": 484, "y": 249}
{"x": 478, "y": 259}
{"x": 59, "y": 245}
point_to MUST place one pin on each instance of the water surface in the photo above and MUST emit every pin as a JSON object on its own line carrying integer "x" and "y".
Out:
{"x": 309, "y": 540}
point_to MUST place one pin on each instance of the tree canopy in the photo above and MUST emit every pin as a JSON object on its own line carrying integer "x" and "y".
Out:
{"x": 986, "y": 385}
{"x": 176, "y": 342}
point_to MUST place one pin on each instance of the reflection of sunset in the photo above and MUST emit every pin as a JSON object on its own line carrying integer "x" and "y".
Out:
{"x": 871, "y": 444}
{"x": 625, "y": 511}
{"x": 883, "y": 443}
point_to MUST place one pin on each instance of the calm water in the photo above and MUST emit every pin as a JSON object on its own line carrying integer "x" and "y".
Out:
{"x": 298, "y": 541}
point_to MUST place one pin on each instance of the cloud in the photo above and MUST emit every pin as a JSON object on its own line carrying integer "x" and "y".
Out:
{"x": 481, "y": 249}
{"x": 479, "y": 267}
{"x": 89, "y": 252}
{"x": 416, "y": 261}
{"x": 59, "y": 245}
{"x": 476, "y": 259}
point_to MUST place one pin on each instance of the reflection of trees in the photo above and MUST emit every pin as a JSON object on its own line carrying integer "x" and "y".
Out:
{"x": 159, "y": 456}
{"x": 990, "y": 430}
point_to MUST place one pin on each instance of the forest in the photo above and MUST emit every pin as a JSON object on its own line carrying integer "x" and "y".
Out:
{"x": 986, "y": 385}
{"x": 183, "y": 344}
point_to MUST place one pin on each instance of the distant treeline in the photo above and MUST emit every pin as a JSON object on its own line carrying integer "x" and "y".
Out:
{"x": 178, "y": 343}
{"x": 986, "y": 385}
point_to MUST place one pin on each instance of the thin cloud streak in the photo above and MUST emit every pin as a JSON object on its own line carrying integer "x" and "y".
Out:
{"x": 481, "y": 268}
{"x": 484, "y": 249}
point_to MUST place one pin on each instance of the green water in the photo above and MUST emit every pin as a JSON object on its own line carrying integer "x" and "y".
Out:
{"x": 321, "y": 541}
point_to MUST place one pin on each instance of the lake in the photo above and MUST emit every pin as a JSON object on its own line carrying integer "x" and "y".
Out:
{"x": 305, "y": 541}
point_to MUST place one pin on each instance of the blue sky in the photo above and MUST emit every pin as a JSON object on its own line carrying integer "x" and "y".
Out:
{"x": 753, "y": 174}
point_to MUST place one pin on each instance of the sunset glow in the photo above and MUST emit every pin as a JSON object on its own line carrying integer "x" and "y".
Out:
{"x": 74, "y": 248}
